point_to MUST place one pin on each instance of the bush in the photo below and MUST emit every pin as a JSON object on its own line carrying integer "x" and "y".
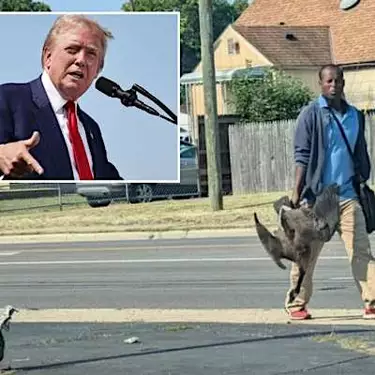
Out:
{"x": 273, "y": 97}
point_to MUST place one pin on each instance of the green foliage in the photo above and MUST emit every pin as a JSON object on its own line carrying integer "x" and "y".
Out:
{"x": 223, "y": 15}
{"x": 240, "y": 5}
{"x": 273, "y": 97}
{"x": 23, "y": 6}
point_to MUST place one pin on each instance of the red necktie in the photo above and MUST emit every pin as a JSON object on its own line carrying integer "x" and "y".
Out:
{"x": 79, "y": 152}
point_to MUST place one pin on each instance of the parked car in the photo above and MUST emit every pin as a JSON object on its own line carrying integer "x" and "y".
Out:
{"x": 102, "y": 194}
{"x": 185, "y": 135}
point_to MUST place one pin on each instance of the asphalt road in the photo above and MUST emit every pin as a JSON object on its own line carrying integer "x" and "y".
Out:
{"x": 194, "y": 349}
{"x": 170, "y": 274}
{"x": 194, "y": 273}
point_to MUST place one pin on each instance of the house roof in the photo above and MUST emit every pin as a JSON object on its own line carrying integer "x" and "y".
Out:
{"x": 290, "y": 46}
{"x": 352, "y": 31}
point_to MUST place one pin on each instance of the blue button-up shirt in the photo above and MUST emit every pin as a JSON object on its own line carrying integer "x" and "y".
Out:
{"x": 338, "y": 165}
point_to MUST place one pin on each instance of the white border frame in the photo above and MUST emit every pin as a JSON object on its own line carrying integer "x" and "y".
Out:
{"x": 126, "y": 14}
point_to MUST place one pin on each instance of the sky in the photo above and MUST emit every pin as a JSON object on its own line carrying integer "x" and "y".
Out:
{"x": 84, "y": 5}
{"x": 89, "y": 5}
{"x": 143, "y": 147}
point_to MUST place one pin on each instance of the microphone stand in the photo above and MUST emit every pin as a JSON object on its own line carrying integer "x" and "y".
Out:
{"x": 148, "y": 95}
{"x": 129, "y": 101}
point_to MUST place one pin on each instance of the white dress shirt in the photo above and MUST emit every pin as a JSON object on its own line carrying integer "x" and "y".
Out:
{"x": 57, "y": 103}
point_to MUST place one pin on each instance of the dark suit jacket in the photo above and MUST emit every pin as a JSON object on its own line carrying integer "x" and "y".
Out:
{"x": 24, "y": 108}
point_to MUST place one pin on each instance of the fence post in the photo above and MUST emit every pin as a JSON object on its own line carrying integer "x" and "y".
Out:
{"x": 127, "y": 193}
{"x": 60, "y": 198}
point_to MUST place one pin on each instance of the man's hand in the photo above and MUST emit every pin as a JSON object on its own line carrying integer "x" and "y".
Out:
{"x": 15, "y": 159}
{"x": 295, "y": 199}
{"x": 296, "y": 195}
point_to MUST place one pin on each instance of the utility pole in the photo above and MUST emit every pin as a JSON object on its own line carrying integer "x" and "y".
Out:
{"x": 210, "y": 103}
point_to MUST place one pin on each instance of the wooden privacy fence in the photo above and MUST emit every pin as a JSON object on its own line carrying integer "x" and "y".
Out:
{"x": 261, "y": 155}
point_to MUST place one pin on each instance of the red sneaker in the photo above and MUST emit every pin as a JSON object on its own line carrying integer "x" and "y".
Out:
{"x": 369, "y": 313}
{"x": 302, "y": 314}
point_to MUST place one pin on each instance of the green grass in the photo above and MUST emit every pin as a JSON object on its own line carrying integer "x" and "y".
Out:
{"x": 178, "y": 328}
{"x": 40, "y": 204}
{"x": 163, "y": 215}
{"x": 346, "y": 342}
{"x": 43, "y": 215}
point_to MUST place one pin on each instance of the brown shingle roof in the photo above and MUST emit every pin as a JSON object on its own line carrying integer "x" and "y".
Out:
{"x": 306, "y": 46}
{"x": 352, "y": 31}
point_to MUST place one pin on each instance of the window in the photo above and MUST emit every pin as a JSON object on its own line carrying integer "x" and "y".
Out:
{"x": 233, "y": 47}
{"x": 237, "y": 47}
{"x": 188, "y": 154}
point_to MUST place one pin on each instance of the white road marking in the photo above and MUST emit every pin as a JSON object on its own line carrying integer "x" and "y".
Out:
{"x": 156, "y": 246}
{"x": 9, "y": 253}
{"x": 153, "y": 246}
{"x": 342, "y": 278}
{"x": 159, "y": 260}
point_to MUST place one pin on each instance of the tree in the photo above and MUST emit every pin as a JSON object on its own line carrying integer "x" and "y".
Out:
{"x": 23, "y": 6}
{"x": 273, "y": 97}
{"x": 224, "y": 14}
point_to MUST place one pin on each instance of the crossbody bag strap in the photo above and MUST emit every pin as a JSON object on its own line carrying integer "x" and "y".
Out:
{"x": 343, "y": 134}
{"x": 346, "y": 141}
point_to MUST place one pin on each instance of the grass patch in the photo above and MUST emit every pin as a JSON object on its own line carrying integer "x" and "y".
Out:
{"x": 178, "y": 328}
{"x": 41, "y": 204}
{"x": 189, "y": 214}
{"x": 345, "y": 342}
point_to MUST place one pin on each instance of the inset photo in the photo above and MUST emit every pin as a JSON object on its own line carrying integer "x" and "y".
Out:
{"x": 89, "y": 96}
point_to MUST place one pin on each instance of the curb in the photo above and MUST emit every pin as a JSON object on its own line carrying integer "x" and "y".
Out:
{"x": 126, "y": 236}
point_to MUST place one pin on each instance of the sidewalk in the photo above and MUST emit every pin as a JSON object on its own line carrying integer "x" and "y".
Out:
{"x": 189, "y": 348}
{"x": 339, "y": 317}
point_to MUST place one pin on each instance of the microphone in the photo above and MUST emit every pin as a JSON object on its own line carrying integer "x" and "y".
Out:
{"x": 128, "y": 97}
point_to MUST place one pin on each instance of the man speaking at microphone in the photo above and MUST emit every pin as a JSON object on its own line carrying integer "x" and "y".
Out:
{"x": 70, "y": 146}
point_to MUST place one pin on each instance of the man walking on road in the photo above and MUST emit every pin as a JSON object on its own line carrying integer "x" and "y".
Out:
{"x": 322, "y": 158}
